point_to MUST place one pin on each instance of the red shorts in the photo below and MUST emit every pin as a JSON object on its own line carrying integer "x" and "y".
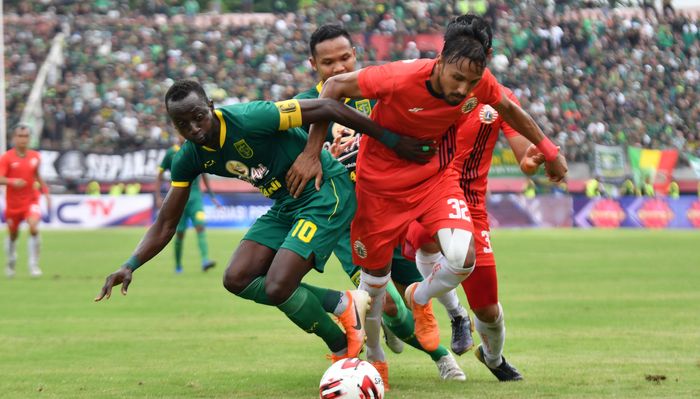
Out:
{"x": 481, "y": 286}
{"x": 417, "y": 236}
{"x": 381, "y": 223}
{"x": 15, "y": 216}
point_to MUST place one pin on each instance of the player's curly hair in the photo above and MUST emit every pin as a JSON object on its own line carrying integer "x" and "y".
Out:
{"x": 327, "y": 32}
{"x": 183, "y": 88}
{"x": 467, "y": 36}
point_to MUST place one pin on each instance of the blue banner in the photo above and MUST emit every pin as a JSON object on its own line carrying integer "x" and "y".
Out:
{"x": 238, "y": 210}
{"x": 637, "y": 212}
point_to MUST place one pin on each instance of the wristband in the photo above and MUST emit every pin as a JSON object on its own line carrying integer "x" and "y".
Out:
{"x": 132, "y": 263}
{"x": 548, "y": 149}
{"x": 389, "y": 139}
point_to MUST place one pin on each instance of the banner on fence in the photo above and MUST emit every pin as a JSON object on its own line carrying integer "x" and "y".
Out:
{"x": 609, "y": 163}
{"x": 640, "y": 212}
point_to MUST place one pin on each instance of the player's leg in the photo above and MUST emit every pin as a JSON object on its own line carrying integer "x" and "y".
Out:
{"x": 318, "y": 224}
{"x": 404, "y": 273}
{"x": 34, "y": 241}
{"x": 179, "y": 241}
{"x": 13, "y": 221}
{"x": 428, "y": 257}
{"x": 447, "y": 217}
{"x": 199, "y": 221}
{"x": 482, "y": 293}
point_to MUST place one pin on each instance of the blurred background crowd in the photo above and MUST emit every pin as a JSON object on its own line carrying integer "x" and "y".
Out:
{"x": 589, "y": 72}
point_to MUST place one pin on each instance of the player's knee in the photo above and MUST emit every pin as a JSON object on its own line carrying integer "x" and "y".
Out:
{"x": 488, "y": 313}
{"x": 234, "y": 282}
{"x": 277, "y": 291}
{"x": 470, "y": 260}
{"x": 458, "y": 248}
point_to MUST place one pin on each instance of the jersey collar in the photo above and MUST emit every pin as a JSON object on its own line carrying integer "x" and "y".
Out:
{"x": 222, "y": 131}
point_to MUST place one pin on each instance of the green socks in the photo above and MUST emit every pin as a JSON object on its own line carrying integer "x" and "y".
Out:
{"x": 304, "y": 309}
{"x": 402, "y": 325}
{"x": 203, "y": 246}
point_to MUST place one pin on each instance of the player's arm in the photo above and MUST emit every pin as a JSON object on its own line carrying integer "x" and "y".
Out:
{"x": 307, "y": 166}
{"x": 43, "y": 187}
{"x": 156, "y": 192}
{"x": 155, "y": 239}
{"x": 9, "y": 181}
{"x": 518, "y": 119}
{"x": 207, "y": 185}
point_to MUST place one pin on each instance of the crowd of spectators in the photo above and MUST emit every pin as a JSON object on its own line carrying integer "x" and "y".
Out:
{"x": 587, "y": 76}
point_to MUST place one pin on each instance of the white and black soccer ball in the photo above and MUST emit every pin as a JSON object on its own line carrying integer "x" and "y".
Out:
{"x": 351, "y": 379}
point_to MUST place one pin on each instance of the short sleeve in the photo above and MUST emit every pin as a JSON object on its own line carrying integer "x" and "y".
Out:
{"x": 376, "y": 82}
{"x": 488, "y": 91}
{"x": 507, "y": 130}
{"x": 167, "y": 161}
{"x": 184, "y": 168}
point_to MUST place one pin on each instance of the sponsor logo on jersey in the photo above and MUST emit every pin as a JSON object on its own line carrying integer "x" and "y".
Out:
{"x": 414, "y": 110}
{"x": 271, "y": 188}
{"x": 360, "y": 249}
{"x": 238, "y": 169}
{"x": 488, "y": 115}
{"x": 244, "y": 149}
{"x": 469, "y": 105}
{"x": 209, "y": 163}
{"x": 364, "y": 106}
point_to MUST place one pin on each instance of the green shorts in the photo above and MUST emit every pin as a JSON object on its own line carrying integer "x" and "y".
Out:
{"x": 194, "y": 211}
{"x": 403, "y": 271}
{"x": 311, "y": 224}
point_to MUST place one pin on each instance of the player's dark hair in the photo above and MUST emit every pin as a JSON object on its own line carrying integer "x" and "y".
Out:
{"x": 467, "y": 36}
{"x": 327, "y": 32}
{"x": 182, "y": 89}
{"x": 20, "y": 126}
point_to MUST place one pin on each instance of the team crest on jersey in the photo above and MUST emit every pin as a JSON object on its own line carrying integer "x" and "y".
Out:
{"x": 469, "y": 105}
{"x": 360, "y": 249}
{"x": 238, "y": 169}
{"x": 244, "y": 149}
{"x": 363, "y": 106}
{"x": 488, "y": 115}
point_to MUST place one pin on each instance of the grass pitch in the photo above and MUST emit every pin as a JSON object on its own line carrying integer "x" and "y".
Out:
{"x": 590, "y": 314}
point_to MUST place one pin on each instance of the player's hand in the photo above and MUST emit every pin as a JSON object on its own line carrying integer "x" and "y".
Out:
{"x": 556, "y": 169}
{"x": 531, "y": 161}
{"x": 338, "y": 147}
{"x": 415, "y": 150}
{"x": 121, "y": 276}
{"x": 305, "y": 167}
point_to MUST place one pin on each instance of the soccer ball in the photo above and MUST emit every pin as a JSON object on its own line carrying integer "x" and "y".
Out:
{"x": 351, "y": 379}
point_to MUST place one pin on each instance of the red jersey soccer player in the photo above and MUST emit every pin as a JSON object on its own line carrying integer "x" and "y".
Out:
{"x": 19, "y": 170}
{"x": 476, "y": 139}
{"x": 425, "y": 99}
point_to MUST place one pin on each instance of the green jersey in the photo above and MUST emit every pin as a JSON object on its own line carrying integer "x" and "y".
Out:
{"x": 349, "y": 156}
{"x": 258, "y": 142}
{"x": 166, "y": 164}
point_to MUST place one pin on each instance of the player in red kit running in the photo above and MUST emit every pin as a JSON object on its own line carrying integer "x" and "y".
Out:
{"x": 476, "y": 138}
{"x": 19, "y": 171}
{"x": 424, "y": 99}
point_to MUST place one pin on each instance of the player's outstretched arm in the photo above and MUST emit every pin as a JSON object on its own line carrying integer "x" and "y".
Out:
{"x": 159, "y": 183}
{"x": 518, "y": 119}
{"x": 155, "y": 239}
{"x": 528, "y": 156}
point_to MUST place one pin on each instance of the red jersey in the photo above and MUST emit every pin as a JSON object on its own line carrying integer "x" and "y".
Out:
{"x": 406, "y": 104}
{"x": 12, "y": 166}
{"x": 476, "y": 138}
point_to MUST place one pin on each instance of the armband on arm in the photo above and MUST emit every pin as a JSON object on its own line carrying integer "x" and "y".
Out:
{"x": 548, "y": 149}
{"x": 132, "y": 263}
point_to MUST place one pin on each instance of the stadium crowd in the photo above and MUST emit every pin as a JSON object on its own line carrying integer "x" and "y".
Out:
{"x": 588, "y": 75}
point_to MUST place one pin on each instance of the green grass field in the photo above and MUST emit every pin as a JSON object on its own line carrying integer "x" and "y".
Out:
{"x": 590, "y": 314}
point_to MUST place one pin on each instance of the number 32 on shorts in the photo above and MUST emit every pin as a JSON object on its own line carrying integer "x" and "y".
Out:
{"x": 461, "y": 211}
{"x": 304, "y": 230}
